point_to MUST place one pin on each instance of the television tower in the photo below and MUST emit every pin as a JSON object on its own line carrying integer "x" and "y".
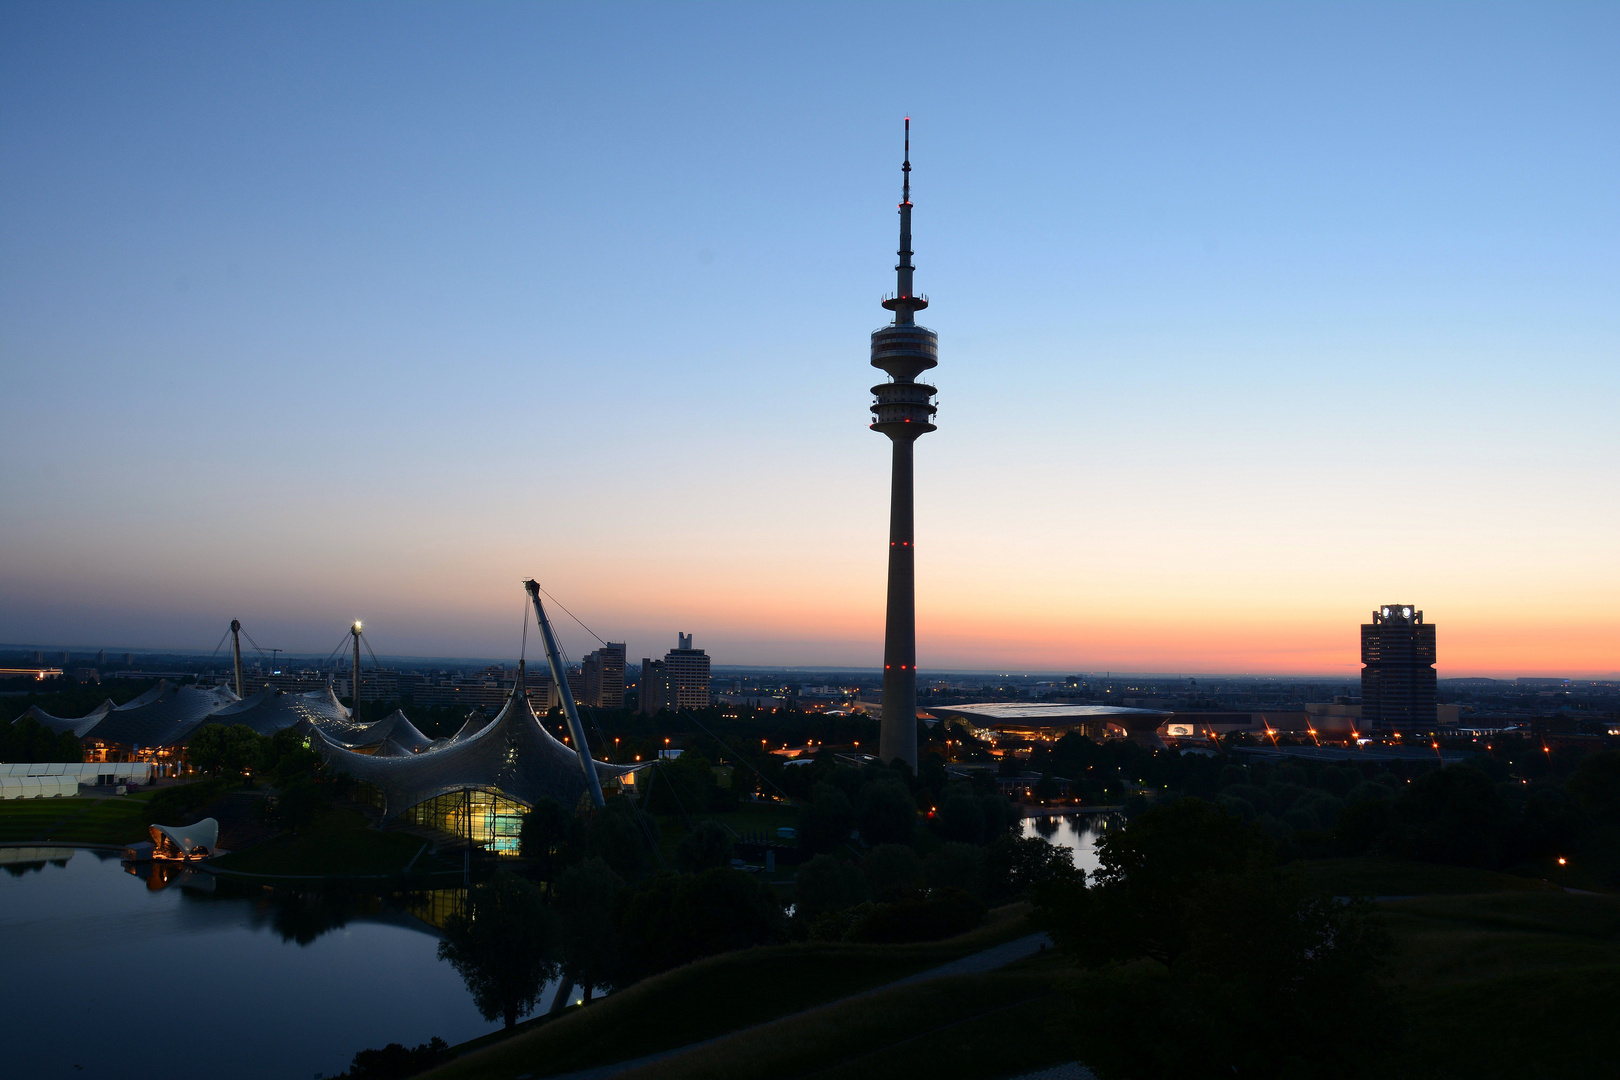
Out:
{"x": 902, "y": 409}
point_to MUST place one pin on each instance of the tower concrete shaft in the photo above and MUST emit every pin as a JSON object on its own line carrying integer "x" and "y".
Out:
{"x": 903, "y": 409}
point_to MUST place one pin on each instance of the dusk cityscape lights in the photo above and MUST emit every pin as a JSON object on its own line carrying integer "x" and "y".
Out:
{"x": 442, "y": 626}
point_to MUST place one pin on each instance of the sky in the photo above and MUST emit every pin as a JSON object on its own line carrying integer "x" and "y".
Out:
{"x": 1252, "y": 317}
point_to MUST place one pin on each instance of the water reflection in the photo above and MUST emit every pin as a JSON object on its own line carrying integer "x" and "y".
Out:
{"x": 1077, "y": 832}
{"x": 161, "y": 874}
{"x": 246, "y": 963}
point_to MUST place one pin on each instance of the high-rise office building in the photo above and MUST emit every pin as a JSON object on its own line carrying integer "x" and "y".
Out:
{"x": 1397, "y": 674}
{"x": 902, "y": 409}
{"x": 655, "y": 690}
{"x": 603, "y": 672}
{"x": 687, "y": 670}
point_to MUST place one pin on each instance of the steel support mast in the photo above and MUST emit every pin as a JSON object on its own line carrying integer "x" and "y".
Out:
{"x": 236, "y": 652}
{"x": 559, "y": 678}
{"x": 354, "y": 631}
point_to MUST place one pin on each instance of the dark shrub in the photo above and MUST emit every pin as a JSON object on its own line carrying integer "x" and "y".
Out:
{"x": 961, "y": 818}
{"x": 827, "y": 884}
{"x": 396, "y": 1062}
{"x": 1249, "y": 793}
{"x": 956, "y": 866}
{"x": 617, "y": 834}
{"x": 886, "y": 813}
{"x": 946, "y": 914}
{"x": 705, "y": 847}
{"x": 894, "y": 872}
{"x": 827, "y": 822}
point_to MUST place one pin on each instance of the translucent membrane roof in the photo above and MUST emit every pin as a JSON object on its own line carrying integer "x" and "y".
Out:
{"x": 512, "y": 754}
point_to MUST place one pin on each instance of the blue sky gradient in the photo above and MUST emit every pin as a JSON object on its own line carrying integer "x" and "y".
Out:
{"x": 1252, "y": 317}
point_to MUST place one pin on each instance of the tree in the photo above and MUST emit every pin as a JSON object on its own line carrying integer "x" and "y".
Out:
{"x": 499, "y": 944}
{"x": 1016, "y": 866}
{"x": 542, "y": 835}
{"x": 705, "y": 847}
{"x": 1596, "y": 786}
{"x": 1149, "y": 873}
{"x": 673, "y": 919}
{"x": 285, "y": 755}
{"x": 886, "y": 813}
{"x": 396, "y": 1062}
{"x": 686, "y": 786}
{"x": 215, "y": 748}
{"x": 827, "y": 884}
{"x": 618, "y": 835}
{"x": 27, "y": 740}
{"x": 826, "y": 823}
{"x": 961, "y": 816}
{"x": 957, "y": 866}
{"x": 895, "y": 873}
{"x": 1455, "y": 815}
{"x": 586, "y": 895}
{"x": 298, "y": 802}
{"x": 1191, "y": 933}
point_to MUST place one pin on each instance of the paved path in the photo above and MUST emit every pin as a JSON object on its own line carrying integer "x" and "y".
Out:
{"x": 988, "y": 960}
{"x": 1072, "y": 1071}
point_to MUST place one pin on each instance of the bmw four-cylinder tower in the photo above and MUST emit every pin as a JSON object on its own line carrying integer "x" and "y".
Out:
{"x": 902, "y": 409}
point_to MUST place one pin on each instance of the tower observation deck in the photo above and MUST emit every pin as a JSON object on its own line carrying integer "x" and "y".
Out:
{"x": 902, "y": 409}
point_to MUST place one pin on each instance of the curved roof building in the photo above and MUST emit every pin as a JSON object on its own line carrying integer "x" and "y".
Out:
{"x": 1019, "y": 718}
{"x": 196, "y": 841}
{"x": 165, "y": 715}
{"x": 512, "y": 755}
{"x": 270, "y": 710}
{"x": 80, "y": 726}
{"x": 341, "y": 730}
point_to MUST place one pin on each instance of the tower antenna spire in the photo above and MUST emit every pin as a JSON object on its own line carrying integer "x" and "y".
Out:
{"x": 905, "y": 168}
{"x": 904, "y": 302}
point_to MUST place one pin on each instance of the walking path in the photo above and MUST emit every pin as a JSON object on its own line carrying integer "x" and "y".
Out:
{"x": 989, "y": 960}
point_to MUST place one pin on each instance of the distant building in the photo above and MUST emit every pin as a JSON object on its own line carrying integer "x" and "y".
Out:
{"x": 679, "y": 681}
{"x": 603, "y": 676}
{"x": 1397, "y": 674}
{"x": 655, "y": 689}
{"x": 688, "y": 672}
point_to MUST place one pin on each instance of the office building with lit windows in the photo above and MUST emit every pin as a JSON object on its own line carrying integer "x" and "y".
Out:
{"x": 687, "y": 670}
{"x": 1397, "y": 673}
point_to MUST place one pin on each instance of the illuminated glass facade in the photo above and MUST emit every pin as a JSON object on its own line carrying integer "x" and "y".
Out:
{"x": 481, "y": 816}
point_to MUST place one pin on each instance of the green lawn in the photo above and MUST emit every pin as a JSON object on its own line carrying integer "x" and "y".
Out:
{"x": 963, "y": 1028}
{"x": 1390, "y": 877}
{"x": 716, "y": 996}
{"x": 341, "y": 842}
{"x": 1498, "y": 977}
{"x": 1508, "y": 986}
{"x": 112, "y": 820}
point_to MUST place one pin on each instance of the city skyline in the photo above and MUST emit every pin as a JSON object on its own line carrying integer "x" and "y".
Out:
{"x": 1258, "y": 317}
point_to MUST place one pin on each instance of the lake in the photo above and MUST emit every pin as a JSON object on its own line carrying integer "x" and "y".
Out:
{"x": 1077, "y": 832}
{"x": 102, "y": 975}
{"x": 105, "y": 974}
